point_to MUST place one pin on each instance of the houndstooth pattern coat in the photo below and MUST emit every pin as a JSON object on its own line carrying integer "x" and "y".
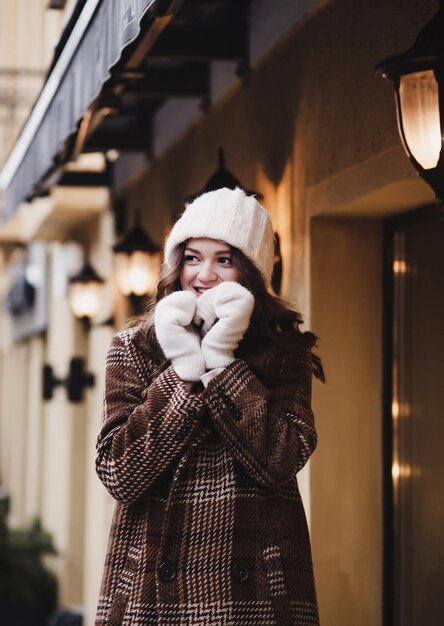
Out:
{"x": 209, "y": 528}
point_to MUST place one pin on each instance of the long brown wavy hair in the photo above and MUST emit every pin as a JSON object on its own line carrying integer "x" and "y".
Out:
{"x": 273, "y": 330}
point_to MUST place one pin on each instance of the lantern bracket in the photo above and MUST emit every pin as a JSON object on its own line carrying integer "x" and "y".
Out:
{"x": 76, "y": 380}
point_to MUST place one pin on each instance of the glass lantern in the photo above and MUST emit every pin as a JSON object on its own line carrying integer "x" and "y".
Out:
{"x": 137, "y": 262}
{"x": 85, "y": 293}
{"x": 417, "y": 77}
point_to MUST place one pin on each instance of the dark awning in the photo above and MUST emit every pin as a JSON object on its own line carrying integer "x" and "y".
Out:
{"x": 117, "y": 63}
{"x": 104, "y": 28}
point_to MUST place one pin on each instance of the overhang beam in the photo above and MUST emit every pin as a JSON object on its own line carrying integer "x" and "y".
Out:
{"x": 192, "y": 81}
{"x": 215, "y": 42}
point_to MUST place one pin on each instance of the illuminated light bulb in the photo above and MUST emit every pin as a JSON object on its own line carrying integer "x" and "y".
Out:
{"x": 419, "y": 100}
{"x": 137, "y": 262}
{"x": 85, "y": 293}
{"x": 399, "y": 267}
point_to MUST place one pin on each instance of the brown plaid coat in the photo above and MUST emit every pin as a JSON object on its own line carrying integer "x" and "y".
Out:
{"x": 209, "y": 528}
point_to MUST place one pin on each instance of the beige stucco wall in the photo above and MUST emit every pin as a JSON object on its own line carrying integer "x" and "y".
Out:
{"x": 14, "y": 432}
{"x": 47, "y": 449}
{"x": 29, "y": 32}
{"x": 346, "y": 522}
{"x": 315, "y": 103}
{"x": 35, "y": 426}
{"x": 64, "y": 441}
{"x": 76, "y": 507}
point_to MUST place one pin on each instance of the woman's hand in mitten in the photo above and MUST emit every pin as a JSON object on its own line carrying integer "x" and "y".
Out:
{"x": 233, "y": 306}
{"x": 205, "y": 315}
{"x": 172, "y": 319}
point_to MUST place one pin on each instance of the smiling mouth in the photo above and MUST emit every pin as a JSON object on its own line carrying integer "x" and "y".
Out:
{"x": 200, "y": 290}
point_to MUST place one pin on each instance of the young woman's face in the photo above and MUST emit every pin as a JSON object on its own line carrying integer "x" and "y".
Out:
{"x": 206, "y": 263}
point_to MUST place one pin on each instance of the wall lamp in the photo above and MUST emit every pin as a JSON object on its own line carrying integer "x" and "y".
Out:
{"x": 417, "y": 77}
{"x": 86, "y": 293}
{"x": 137, "y": 262}
{"x": 222, "y": 178}
{"x": 74, "y": 383}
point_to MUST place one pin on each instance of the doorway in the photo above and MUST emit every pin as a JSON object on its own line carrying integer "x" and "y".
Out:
{"x": 413, "y": 436}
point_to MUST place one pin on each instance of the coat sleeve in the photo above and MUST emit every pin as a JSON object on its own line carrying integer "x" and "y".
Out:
{"x": 272, "y": 433}
{"x": 145, "y": 429}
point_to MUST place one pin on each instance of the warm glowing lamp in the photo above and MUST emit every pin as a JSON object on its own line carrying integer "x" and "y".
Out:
{"x": 137, "y": 262}
{"x": 417, "y": 77}
{"x": 85, "y": 293}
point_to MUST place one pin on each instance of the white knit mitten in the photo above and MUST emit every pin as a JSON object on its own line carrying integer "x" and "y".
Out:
{"x": 205, "y": 315}
{"x": 172, "y": 319}
{"x": 233, "y": 306}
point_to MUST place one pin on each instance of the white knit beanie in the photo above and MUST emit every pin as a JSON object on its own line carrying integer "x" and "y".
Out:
{"x": 231, "y": 216}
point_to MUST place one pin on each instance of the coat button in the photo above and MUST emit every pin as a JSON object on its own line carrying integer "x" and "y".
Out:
{"x": 244, "y": 479}
{"x": 187, "y": 420}
{"x": 167, "y": 571}
{"x": 241, "y": 573}
{"x": 237, "y": 414}
{"x": 232, "y": 407}
{"x": 192, "y": 413}
{"x": 225, "y": 398}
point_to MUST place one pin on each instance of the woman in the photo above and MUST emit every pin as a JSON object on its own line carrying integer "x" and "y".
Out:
{"x": 207, "y": 419}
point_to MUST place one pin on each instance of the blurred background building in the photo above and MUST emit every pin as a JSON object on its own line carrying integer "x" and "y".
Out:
{"x": 112, "y": 114}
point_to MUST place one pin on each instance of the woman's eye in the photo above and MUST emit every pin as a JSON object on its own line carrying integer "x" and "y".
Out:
{"x": 225, "y": 260}
{"x": 190, "y": 258}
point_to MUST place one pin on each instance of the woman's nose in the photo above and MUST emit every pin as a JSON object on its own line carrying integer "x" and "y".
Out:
{"x": 206, "y": 272}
